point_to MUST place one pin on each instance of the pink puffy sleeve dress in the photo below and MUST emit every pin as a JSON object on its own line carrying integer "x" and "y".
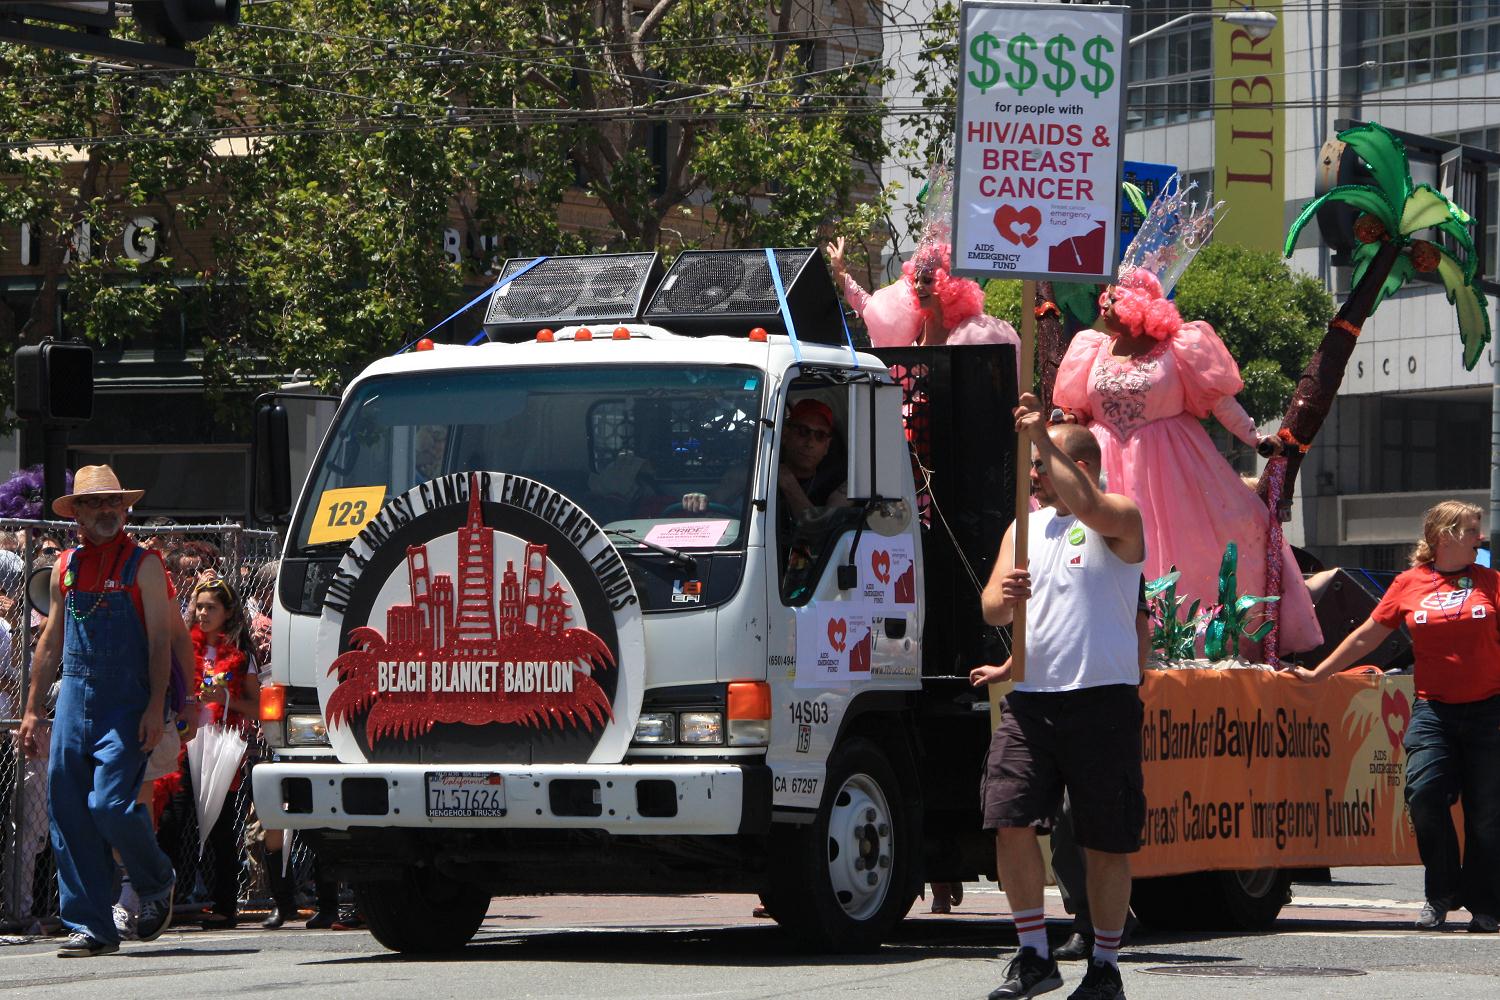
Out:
{"x": 1145, "y": 413}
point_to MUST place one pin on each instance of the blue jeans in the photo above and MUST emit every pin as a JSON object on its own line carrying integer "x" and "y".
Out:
{"x": 1453, "y": 755}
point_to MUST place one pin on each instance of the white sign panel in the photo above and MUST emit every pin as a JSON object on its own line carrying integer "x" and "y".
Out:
{"x": 887, "y": 570}
{"x": 1041, "y": 93}
{"x": 834, "y": 643}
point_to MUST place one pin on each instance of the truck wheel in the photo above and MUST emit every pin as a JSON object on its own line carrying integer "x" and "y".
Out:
{"x": 1212, "y": 901}
{"x": 1253, "y": 899}
{"x": 842, "y": 882}
{"x": 422, "y": 912}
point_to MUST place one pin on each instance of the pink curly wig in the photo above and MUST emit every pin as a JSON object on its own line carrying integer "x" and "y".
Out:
{"x": 960, "y": 297}
{"x": 1139, "y": 305}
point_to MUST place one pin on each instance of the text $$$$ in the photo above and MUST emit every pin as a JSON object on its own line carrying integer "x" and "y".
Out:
{"x": 1096, "y": 77}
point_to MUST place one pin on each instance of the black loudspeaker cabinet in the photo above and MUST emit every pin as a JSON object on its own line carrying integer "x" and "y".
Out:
{"x": 1343, "y": 599}
{"x": 954, "y": 400}
{"x": 571, "y": 291}
{"x": 731, "y": 292}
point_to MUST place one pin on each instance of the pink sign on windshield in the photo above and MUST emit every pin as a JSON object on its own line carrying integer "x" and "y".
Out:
{"x": 689, "y": 534}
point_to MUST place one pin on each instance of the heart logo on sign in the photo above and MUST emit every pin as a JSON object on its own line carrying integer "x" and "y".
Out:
{"x": 1396, "y": 711}
{"x": 880, "y": 563}
{"x": 1029, "y": 218}
{"x": 838, "y": 631}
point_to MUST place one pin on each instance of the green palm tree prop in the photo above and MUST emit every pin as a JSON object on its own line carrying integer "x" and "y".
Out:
{"x": 1393, "y": 212}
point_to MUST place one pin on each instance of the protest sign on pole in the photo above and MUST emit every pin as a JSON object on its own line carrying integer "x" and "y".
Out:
{"x": 1041, "y": 119}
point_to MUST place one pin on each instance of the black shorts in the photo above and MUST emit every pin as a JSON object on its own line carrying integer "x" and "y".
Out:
{"x": 1088, "y": 742}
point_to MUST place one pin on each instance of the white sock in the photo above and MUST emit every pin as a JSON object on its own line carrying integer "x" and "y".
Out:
{"x": 1031, "y": 927}
{"x": 1107, "y": 946}
{"x": 129, "y": 899}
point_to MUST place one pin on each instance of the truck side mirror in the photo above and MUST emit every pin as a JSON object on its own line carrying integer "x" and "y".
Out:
{"x": 271, "y": 451}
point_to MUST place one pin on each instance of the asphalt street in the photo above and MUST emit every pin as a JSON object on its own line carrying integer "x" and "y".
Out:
{"x": 1351, "y": 938}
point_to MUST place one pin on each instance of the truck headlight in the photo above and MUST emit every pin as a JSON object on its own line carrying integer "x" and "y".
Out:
{"x": 701, "y": 727}
{"x": 306, "y": 731}
{"x": 654, "y": 728}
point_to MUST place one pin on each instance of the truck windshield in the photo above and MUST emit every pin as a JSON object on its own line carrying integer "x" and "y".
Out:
{"x": 637, "y": 447}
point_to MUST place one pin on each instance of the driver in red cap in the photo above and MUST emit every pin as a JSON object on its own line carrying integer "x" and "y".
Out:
{"x": 803, "y": 480}
{"x": 806, "y": 438}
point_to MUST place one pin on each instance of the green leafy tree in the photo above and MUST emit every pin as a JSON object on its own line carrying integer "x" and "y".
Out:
{"x": 326, "y": 147}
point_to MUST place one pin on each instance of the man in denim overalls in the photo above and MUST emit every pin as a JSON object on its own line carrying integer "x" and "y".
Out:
{"x": 108, "y": 628}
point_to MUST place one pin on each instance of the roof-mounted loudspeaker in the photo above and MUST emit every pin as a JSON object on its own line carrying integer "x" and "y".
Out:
{"x": 731, "y": 291}
{"x": 567, "y": 291}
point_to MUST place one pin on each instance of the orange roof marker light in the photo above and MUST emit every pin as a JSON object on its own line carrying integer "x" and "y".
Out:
{"x": 758, "y": 335}
{"x": 621, "y": 333}
{"x": 425, "y": 344}
{"x": 544, "y": 336}
{"x": 583, "y": 333}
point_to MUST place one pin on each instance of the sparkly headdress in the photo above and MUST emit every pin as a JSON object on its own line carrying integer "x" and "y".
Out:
{"x": 1175, "y": 229}
{"x": 961, "y": 297}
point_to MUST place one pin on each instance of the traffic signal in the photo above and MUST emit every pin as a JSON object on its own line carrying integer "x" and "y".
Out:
{"x": 183, "y": 21}
{"x": 55, "y": 383}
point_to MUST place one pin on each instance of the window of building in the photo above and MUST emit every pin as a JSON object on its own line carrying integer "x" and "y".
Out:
{"x": 1405, "y": 43}
{"x": 1486, "y": 138}
{"x": 1439, "y": 444}
{"x": 1174, "y": 70}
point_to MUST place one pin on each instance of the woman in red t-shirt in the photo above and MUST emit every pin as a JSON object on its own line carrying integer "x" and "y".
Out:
{"x": 1451, "y": 606}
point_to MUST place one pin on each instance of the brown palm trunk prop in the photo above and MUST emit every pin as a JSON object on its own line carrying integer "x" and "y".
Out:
{"x": 1320, "y": 380}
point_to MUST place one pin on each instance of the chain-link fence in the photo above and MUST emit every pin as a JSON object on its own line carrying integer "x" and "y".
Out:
{"x": 246, "y": 559}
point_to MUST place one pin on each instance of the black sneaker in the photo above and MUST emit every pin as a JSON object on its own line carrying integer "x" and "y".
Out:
{"x": 1433, "y": 916}
{"x": 1027, "y": 975}
{"x": 81, "y": 945}
{"x": 156, "y": 916}
{"x": 1483, "y": 923}
{"x": 1101, "y": 982}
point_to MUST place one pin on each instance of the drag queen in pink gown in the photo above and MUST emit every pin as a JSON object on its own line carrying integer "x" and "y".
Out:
{"x": 1142, "y": 385}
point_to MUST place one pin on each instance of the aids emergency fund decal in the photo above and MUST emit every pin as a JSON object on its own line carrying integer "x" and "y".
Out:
{"x": 835, "y": 640}
{"x": 887, "y": 570}
{"x": 481, "y": 617}
{"x": 1040, "y": 122}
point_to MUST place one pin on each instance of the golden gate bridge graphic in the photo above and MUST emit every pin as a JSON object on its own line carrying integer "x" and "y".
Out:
{"x": 460, "y": 654}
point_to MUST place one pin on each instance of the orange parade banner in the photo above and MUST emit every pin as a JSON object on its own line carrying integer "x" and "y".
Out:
{"x": 1252, "y": 769}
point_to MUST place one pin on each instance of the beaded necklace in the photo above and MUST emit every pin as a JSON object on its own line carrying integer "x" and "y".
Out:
{"x": 71, "y": 578}
{"x": 1464, "y": 584}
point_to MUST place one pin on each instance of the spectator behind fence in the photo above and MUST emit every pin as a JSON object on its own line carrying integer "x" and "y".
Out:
{"x": 110, "y": 635}
{"x": 228, "y": 682}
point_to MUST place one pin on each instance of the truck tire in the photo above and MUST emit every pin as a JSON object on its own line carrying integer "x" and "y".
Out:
{"x": 842, "y": 882}
{"x": 1212, "y": 901}
{"x": 422, "y": 912}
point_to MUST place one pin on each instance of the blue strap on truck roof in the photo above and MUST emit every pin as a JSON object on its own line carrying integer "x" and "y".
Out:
{"x": 473, "y": 302}
{"x": 786, "y": 310}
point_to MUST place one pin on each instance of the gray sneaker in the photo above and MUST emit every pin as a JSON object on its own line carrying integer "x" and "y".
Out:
{"x": 124, "y": 922}
{"x": 1027, "y": 975}
{"x": 81, "y": 945}
{"x": 156, "y": 916}
{"x": 1433, "y": 916}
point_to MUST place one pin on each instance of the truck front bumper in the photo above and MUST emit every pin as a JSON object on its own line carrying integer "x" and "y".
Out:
{"x": 668, "y": 799}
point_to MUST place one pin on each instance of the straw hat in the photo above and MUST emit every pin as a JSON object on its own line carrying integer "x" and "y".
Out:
{"x": 95, "y": 480}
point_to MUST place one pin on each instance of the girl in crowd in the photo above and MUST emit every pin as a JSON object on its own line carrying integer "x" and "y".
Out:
{"x": 228, "y": 683}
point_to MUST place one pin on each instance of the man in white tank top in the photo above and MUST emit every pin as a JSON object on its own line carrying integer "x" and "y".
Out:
{"x": 1075, "y": 722}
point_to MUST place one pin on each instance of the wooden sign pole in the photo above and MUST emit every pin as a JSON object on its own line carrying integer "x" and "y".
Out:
{"x": 1026, "y": 361}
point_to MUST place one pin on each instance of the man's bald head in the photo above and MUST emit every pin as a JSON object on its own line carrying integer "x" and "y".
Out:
{"x": 1077, "y": 443}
